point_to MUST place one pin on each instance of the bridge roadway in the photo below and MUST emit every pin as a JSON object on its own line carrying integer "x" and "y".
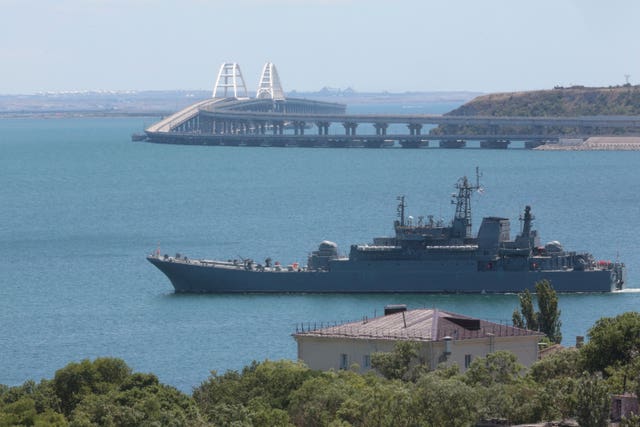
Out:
{"x": 432, "y": 119}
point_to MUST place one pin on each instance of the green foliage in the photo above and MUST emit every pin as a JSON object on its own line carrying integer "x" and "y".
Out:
{"x": 624, "y": 377}
{"x": 400, "y": 364}
{"x": 558, "y": 397}
{"x": 23, "y": 412}
{"x": 261, "y": 385}
{"x": 500, "y": 367}
{"x": 549, "y": 314}
{"x": 612, "y": 340}
{"x": 77, "y": 380}
{"x": 518, "y": 402}
{"x": 102, "y": 392}
{"x": 319, "y": 399}
{"x": 564, "y": 363}
{"x": 43, "y": 395}
{"x": 501, "y": 391}
{"x": 140, "y": 402}
{"x": 632, "y": 420}
{"x": 445, "y": 402}
{"x": 547, "y": 319}
{"x": 530, "y": 317}
{"x": 517, "y": 319}
{"x": 593, "y": 402}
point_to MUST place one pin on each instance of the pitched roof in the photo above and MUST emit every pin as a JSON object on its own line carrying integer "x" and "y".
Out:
{"x": 417, "y": 325}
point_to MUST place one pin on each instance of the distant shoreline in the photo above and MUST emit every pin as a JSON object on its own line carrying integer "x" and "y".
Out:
{"x": 164, "y": 103}
{"x": 79, "y": 114}
{"x": 598, "y": 143}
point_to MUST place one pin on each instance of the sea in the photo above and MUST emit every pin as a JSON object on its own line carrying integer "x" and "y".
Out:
{"x": 81, "y": 205}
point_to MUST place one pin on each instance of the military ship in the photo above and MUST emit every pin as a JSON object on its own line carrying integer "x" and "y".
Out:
{"x": 423, "y": 257}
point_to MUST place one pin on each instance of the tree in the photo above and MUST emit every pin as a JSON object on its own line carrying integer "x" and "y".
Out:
{"x": 77, "y": 380}
{"x": 529, "y": 318}
{"x": 549, "y": 314}
{"x": 143, "y": 401}
{"x": 445, "y": 402}
{"x": 499, "y": 367}
{"x": 260, "y": 392}
{"x": 593, "y": 402}
{"x": 612, "y": 341}
{"x": 547, "y": 318}
{"x": 563, "y": 364}
{"x": 400, "y": 364}
{"x": 318, "y": 400}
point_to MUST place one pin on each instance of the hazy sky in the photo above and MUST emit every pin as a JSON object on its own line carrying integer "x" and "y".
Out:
{"x": 370, "y": 45}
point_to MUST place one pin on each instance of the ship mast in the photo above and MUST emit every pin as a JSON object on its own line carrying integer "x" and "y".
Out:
{"x": 401, "y": 207}
{"x": 461, "y": 226}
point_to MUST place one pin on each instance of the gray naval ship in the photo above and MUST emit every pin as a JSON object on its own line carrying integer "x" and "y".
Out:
{"x": 423, "y": 257}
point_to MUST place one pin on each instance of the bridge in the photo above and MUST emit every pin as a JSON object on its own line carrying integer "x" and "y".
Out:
{"x": 231, "y": 117}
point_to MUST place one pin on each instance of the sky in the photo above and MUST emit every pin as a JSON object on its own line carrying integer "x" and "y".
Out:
{"x": 368, "y": 45}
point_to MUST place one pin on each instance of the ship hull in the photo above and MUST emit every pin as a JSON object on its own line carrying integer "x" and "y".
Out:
{"x": 196, "y": 277}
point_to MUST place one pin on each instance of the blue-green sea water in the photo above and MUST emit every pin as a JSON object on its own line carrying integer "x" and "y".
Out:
{"x": 81, "y": 205}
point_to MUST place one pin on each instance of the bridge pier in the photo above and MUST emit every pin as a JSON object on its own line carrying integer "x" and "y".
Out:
{"x": 323, "y": 128}
{"x": 381, "y": 128}
{"x": 414, "y": 129}
{"x": 298, "y": 127}
{"x": 278, "y": 127}
{"x": 350, "y": 128}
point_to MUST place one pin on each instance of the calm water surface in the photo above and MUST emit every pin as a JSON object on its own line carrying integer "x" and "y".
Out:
{"x": 81, "y": 205}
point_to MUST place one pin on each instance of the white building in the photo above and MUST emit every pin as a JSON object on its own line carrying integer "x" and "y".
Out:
{"x": 445, "y": 337}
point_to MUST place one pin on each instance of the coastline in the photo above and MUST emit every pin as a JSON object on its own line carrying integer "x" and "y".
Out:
{"x": 598, "y": 143}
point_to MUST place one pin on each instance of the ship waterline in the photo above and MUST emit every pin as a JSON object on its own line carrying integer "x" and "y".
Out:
{"x": 192, "y": 276}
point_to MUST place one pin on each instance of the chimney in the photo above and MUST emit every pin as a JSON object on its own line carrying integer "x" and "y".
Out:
{"x": 579, "y": 341}
{"x": 394, "y": 308}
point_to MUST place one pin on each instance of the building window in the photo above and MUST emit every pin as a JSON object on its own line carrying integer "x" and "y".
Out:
{"x": 467, "y": 361}
{"x": 366, "y": 361}
{"x": 344, "y": 361}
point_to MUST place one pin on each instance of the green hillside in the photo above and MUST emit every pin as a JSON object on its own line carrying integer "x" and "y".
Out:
{"x": 573, "y": 101}
{"x": 558, "y": 102}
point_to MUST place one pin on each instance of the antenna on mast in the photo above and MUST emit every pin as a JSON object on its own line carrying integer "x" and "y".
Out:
{"x": 478, "y": 176}
{"x": 401, "y": 207}
{"x": 626, "y": 78}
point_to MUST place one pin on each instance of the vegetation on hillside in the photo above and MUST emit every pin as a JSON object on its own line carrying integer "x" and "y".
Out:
{"x": 558, "y": 102}
{"x": 570, "y": 383}
{"x": 575, "y": 101}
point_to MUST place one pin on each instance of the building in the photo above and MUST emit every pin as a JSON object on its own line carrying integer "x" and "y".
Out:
{"x": 445, "y": 337}
{"x": 623, "y": 405}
